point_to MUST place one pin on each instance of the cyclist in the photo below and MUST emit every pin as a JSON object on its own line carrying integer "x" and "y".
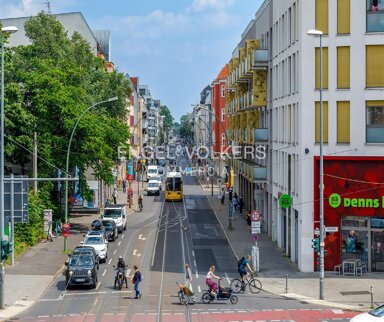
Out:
{"x": 140, "y": 202}
{"x": 213, "y": 287}
{"x": 244, "y": 265}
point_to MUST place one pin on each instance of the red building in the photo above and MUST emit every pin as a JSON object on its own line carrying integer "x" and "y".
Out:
{"x": 219, "y": 88}
{"x": 353, "y": 210}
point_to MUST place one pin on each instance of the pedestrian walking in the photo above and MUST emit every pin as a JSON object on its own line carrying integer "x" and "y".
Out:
{"x": 124, "y": 185}
{"x": 222, "y": 197}
{"x": 136, "y": 279}
{"x": 188, "y": 277}
{"x": 249, "y": 221}
{"x": 235, "y": 201}
{"x": 49, "y": 233}
{"x": 241, "y": 206}
{"x": 114, "y": 195}
{"x": 230, "y": 194}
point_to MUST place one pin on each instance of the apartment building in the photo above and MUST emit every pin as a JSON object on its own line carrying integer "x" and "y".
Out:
{"x": 353, "y": 95}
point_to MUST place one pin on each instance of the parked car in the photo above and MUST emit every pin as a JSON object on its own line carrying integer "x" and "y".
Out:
{"x": 99, "y": 243}
{"x": 85, "y": 250}
{"x": 117, "y": 213}
{"x": 81, "y": 270}
{"x": 375, "y": 315}
{"x": 111, "y": 229}
{"x": 153, "y": 188}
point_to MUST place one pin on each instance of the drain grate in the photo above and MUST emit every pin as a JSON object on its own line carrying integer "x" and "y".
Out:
{"x": 355, "y": 293}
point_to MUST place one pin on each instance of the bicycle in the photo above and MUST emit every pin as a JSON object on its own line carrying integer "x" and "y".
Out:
{"x": 238, "y": 285}
{"x": 57, "y": 231}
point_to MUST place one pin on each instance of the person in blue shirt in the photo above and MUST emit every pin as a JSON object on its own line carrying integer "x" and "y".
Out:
{"x": 243, "y": 268}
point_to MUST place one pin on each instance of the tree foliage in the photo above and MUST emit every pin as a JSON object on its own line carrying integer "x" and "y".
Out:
{"x": 186, "y": 130}
{"x": 168, "y": 118}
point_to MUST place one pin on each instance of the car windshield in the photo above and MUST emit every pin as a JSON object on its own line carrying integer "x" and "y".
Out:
{"x": 153, "y": 185}
{"x": 81, "y": 260}
{"x": 93, "y": 240}
{"x": 152, "y": 171}
{"x": 108, "y": 225}
{"x": 112, "y": 213}
{"x": 378, "y": 312}
{"x": 156, "y": 178}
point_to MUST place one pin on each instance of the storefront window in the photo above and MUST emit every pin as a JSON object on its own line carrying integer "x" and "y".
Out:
{"x": 355, "y": 245}
{"x": 377, "y": 251}
{"x": 354, "y": 221}
{"x": 375, "y": 15}
{"x": 375, "y": 124}
{"x": 377, "y": 222}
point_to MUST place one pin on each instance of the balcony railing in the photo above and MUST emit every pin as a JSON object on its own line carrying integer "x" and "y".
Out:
{"x": 261, "y": 135}
{"x": 259, "y": 173}
{"x": 260, "y": 58}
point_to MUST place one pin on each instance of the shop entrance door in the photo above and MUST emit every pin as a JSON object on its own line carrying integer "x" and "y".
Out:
{"x": 377, "y": 256}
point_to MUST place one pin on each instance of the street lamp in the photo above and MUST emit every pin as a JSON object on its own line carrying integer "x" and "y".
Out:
{"x": 67, "y": 161}
{"x": 318, "y": 33}
{"x": 5, "y": 30}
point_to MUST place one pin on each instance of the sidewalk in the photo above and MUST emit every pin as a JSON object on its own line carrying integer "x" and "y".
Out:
{"x": 340, "y": 291}
{"x": 35, "y": 269}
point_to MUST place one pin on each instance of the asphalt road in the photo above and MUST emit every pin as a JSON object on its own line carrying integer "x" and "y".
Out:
{"x": 160, "y": 239}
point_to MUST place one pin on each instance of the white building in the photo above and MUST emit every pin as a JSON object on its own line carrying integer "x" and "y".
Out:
{"x": 353, "y": 95}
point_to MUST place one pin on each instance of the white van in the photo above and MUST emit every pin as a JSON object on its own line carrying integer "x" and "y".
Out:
{"x": 117, "y": 213}
{"x": 152, "y": 171}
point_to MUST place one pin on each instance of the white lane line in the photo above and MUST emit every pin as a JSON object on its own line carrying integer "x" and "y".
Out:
{"x": 104, "y": 272}
{"x": 122, "y": 236}
{"x": 114, "y": 253}
{"x": 193, "y": 253}
{"x": 228, "y": 280}
{"x": 109, "y": 262}
{"x": 98, "y": 284}
{"x": 198, "y": 288}
{"x": 119, "y": 243}
{"x": 197, "y": 275}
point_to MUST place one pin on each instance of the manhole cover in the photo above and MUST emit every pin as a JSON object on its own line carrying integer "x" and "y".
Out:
{"x": 355, "y": 293}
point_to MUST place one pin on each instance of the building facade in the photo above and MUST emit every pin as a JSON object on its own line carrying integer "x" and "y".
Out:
{"x": 353, "y": 119}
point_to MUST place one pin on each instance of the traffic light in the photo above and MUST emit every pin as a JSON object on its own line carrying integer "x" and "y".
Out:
{"x": 58, "y": 174}
{"x": 76, "y": 189}
{"x": 6, "y": 248}
{"x": 316, "y": 244}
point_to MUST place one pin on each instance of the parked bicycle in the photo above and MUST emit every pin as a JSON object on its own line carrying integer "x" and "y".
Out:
{"x": 57, "y": 231}
{"x": 238, "y": 285}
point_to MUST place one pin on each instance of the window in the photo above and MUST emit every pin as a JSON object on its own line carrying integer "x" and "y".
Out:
{"x": 222, "y": 139}
{"x": 343, "y": 122}
{"x": 223, "y": 114}
{"x": 222, "y": 91}
{"x": 374, "y": 66}
{"x": 322, "y": 16}
{"x": 375, "y": 122}
{"x": 325, "y": 68}
{"x": 325, "y": 122}
{"x": 375, "y": 15}
{"x": 343, "y": 16}
{"x": 343, "y": 67}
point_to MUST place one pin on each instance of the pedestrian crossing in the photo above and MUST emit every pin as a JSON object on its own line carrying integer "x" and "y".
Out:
{"x": 207, "y": 315}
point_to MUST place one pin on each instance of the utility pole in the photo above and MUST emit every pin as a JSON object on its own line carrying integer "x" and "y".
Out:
{"x": 35, "y": 162}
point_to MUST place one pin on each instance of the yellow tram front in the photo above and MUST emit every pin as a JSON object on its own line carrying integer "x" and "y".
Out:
{"x": 174, "y": 187}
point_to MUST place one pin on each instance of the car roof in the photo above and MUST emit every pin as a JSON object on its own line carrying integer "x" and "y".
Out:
{"x": 83, "y": 250}
{"x": 117, "y": 206}
{"x": 153, "y": 181}
{"x": 96, "y": 233}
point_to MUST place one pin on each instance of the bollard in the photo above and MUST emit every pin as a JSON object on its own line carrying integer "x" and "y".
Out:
{"x": 371, "y": 297}
{"x": 286, "y": 283}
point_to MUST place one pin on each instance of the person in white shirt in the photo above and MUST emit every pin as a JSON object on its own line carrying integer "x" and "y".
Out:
{"x": 209, "y": 280}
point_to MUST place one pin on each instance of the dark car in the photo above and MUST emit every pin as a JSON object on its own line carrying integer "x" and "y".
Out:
{"x": 111, "y": 229}
{"x": 82, "y": 250}
{"x": 81, "y": 270}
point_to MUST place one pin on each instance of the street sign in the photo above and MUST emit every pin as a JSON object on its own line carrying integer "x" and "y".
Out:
{"x": 331, "y": 229}
{"x": 20, "y": 200}
{"x": 255, "y": 237}
{"x": 65, "y": 230}
{"x": 317, "y": 232}
{"x": 285, "y": 201}
{"x": 256, "y": 230}
{"x": 255, "y": 215}
{"x": 256, "y": 224}
{"x": 130, "y": 192}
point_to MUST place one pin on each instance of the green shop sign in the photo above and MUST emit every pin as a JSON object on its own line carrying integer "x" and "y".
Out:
{"x": 335, "y": 201}
{"x": 285, "y": 201}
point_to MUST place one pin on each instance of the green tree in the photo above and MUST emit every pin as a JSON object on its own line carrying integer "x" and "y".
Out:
{"x": 186, "y": 130}
{"x": 168, "y": 118}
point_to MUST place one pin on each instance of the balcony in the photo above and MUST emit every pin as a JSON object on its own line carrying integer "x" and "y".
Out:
{"x": 260, "y": 135}
{"x": 259, "y": 59}
{"x": 259, "y": 174}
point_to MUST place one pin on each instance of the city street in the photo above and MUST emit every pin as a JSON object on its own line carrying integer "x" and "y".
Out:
{"x": 160, "y": 239}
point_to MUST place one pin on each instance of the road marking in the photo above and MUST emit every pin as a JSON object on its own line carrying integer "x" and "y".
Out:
{"x": 119, "y": 243}
{"x": 197, "y": 275}
{"x": 109, "y": 262}
{"x": 98, "y": 284}
{"x": 135, "y": 253}
{"x": 114, "y": 253}
{"x": 228, "y": 280}
{"x": 198, "y": 288}
{"x": 122, "y": 236}
{"x": 193, "y": 253}
{"x": 104, "y": 272}
{"x": 141, "y": 237}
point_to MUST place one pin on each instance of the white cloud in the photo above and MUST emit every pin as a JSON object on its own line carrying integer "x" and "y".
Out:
{"x": 202, "y": 5}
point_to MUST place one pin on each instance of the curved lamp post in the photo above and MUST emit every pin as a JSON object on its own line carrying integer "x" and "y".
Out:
{"x": 67, "y": 160}
{"x": 318, "y": 33}
{"x": 5, "y": 30}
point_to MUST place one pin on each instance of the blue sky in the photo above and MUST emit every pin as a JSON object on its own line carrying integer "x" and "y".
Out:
{"x": 176, "y": 47}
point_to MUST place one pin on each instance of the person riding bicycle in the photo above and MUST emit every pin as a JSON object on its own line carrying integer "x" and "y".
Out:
{"x": 213, "y": 287}
{"x": 121, "y": 265}
{"x": 244, "y": 265}
{"x": 140, "y": 201}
